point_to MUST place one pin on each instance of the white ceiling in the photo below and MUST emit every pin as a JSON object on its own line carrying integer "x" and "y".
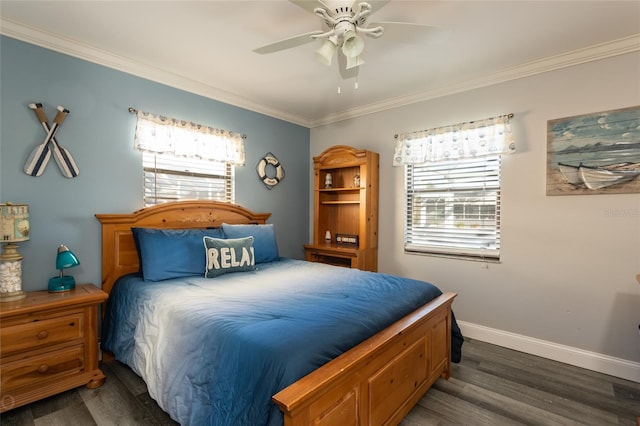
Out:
{"x": 206, "y": 47}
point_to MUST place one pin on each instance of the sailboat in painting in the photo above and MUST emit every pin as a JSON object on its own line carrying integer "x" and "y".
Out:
{"x": 599, "y": 177}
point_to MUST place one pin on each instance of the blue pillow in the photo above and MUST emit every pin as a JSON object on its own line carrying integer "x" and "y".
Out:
{"x": 228, "y": 255}
{"x": 264, "y": 239}
{"x": 171, "y": 253}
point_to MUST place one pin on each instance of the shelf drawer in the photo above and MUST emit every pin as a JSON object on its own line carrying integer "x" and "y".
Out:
{"x": 41, "y": 333}
{"x": 40, "y": 369}
{"x": 330, "y": 260}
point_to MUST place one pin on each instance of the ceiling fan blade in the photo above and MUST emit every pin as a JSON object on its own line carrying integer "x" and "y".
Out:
{"x": 288, "y": 43}
{"x": 406, "y": 32}
{"x": 309, "y": 5}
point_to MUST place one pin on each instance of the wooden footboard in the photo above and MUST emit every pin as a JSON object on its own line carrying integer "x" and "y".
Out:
{"x": 380, "y": 380}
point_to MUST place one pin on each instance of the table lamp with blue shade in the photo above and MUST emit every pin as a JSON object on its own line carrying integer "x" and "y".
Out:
{"x": 65, "y": 259}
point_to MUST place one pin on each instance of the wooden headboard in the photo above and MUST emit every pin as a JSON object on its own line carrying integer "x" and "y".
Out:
{"x": 119, "y": 255}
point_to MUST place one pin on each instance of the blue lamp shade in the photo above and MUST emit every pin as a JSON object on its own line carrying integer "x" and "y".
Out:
{"x": 64, "y": 260}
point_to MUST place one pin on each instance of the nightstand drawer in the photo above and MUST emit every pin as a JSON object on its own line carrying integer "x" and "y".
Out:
{"x": 42, "y": 368}
{"x": 41, "y": 333}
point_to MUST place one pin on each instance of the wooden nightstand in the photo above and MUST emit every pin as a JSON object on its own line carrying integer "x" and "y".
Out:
{"x": 49, "y": 344}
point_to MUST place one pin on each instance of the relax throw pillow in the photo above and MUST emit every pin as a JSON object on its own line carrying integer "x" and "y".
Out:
{"x": 228, "y": 255}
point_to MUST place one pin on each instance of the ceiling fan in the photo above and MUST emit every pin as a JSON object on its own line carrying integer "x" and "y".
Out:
{"x": 345, "y": 21}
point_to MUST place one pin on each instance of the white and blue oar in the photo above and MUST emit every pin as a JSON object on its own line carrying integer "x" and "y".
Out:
{"x": 39, "y": 157}
{"x": 65, "y": 161}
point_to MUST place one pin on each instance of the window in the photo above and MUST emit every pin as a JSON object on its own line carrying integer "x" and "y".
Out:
{"x": 452, "y": 183}
{"x": 184, "y": 160}
{"x": 168, "y": 178}
{"x": 453, "y": 207}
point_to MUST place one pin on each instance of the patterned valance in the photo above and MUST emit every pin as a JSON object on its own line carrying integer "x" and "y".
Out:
{"x": 465, "y": 140}
{"x": 163, "y": 135}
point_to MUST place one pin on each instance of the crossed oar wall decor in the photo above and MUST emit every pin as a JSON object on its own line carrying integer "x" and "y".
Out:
{"x": 39, "y": 157}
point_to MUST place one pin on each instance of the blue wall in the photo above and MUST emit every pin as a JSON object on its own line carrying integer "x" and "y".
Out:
{"x": 99, "y": 135}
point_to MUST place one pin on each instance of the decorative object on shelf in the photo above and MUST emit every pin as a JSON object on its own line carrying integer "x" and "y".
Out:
{"x": 356, "y": 180}
{"x": 39, "y": 157}
{"x": 64, "y": 259}
{"x": 328, "y": 181}
{"x": 14, "y": 226}
{"x": 327, "y": 236}
{"x": 347, "y": 240}
{"x": 270, "y": 179}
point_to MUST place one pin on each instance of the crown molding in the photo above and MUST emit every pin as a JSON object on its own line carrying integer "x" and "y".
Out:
{"x": 589, "y": 54}
{"x": 134, "y": 67}
{"x": 131, "y": 66}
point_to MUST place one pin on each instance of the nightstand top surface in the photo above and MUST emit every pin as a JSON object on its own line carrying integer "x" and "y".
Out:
{"x": 38, "y": 300}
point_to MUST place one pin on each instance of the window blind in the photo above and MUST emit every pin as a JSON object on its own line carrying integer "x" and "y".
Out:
{"x": 453, "y": 207}
{"x": 169, "y": 178}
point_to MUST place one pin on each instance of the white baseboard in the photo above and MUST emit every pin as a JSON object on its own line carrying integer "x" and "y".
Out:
{"x": 605, "y": 364}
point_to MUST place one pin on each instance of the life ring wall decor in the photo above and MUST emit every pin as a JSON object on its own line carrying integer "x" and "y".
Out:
{"x": 270, "y": 179}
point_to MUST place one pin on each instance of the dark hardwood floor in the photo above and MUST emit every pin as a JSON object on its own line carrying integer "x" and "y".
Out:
{"x": 491, "y": 386}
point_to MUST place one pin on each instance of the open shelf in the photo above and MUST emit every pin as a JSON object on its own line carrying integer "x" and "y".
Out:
{"x": 341, "y": 202}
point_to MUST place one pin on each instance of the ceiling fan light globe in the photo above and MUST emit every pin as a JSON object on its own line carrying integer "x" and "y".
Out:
{"x": 326, "y": 52}
{"x": 352, "y": 44}
{"x": 354, "y": 62}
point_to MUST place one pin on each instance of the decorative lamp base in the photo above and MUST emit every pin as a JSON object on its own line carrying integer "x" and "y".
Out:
{"x": 60, "y": 284}
{"x": 14, "y": 295}
{"x": 11, "y": 274}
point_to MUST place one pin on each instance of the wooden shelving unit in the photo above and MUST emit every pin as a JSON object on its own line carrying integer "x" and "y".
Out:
{"x": 348, "y": 207}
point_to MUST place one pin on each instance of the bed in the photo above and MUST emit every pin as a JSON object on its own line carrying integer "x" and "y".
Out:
{"x": 282, "y": 342}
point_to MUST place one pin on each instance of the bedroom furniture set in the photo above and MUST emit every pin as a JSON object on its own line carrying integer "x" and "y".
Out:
{"x": 257, "y": 338}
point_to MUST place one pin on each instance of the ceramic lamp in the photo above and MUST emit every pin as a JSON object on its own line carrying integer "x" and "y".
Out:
{"x": 14, "y": 228}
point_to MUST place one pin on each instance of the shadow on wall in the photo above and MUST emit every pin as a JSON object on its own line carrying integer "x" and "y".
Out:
{"x": 626, "y": 305}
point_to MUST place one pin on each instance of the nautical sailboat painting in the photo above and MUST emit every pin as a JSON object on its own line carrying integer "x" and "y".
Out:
{"x": 594, "y": 153}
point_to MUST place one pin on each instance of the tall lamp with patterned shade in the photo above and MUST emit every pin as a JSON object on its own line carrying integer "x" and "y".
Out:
{"x": 14, "y": 228}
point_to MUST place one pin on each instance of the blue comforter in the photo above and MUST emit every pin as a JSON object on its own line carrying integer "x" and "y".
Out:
{"x": 214, "y": 351}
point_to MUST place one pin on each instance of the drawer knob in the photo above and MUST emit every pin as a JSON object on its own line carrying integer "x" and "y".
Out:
{"x": 43, "y": 334}
{"x": 43, "y": 368}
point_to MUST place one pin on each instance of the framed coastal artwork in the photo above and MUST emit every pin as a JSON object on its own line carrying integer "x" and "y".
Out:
{"x": 595, "y": 153}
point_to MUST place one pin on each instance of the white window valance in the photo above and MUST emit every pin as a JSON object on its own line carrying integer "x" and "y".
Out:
{"x": 163, "y": 135}
{"x": 465, "y": 140}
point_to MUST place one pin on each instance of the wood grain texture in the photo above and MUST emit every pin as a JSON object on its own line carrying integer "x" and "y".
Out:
{"x": 49, "y": 344}
{"x": 345, "y": 208}
{"x": 531, "y": 391}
